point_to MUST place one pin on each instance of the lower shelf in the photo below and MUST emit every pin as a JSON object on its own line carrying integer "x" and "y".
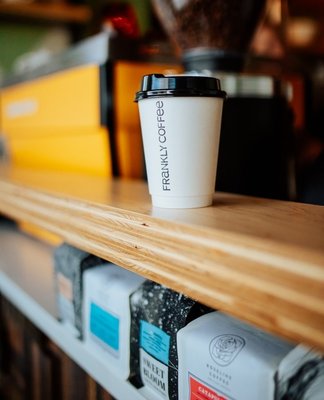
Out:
{"x": 20, "y": 275}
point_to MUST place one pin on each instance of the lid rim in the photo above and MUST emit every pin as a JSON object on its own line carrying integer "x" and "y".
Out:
{"x": 178, "y": 93}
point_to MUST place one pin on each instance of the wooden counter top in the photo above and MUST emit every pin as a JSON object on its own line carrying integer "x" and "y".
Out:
{"x": 57, "y": 12}
{"x": 260, "y": 260}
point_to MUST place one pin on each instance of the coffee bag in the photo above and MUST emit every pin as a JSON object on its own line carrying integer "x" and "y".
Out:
{"x": 222, "y": 358}
{"x": 107, "y": 319}
{"x": 158, "y": 313}
{"x": 69, "y": 266}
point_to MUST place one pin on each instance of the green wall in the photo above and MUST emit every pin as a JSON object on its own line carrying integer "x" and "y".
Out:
{"x": 17, "y": 39}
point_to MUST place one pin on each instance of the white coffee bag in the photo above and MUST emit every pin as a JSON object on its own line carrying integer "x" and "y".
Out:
{"x": 107, "y": 289}
{"x": 222, "y": 358}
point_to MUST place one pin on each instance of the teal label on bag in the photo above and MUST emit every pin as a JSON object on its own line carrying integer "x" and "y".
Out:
{"x": 155, "y": 341}
{"x": 104, "y": 326}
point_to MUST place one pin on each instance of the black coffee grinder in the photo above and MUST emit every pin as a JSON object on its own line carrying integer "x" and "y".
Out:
{"x": 212, "y": 37}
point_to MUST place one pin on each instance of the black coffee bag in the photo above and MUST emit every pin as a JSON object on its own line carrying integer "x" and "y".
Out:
{"x": 69, "y": 265}
{"x": 158, "y": 313}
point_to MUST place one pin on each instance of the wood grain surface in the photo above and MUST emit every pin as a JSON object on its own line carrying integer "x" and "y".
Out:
{"x": 257, "y": 259}
{"x": 58, "y": 12}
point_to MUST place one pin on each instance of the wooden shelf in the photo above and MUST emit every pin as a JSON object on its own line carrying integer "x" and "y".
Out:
{"x": 257, "y": 259}
{"x": 47, "y": 12}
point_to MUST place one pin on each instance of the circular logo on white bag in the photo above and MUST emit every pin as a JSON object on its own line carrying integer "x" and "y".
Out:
{"x": 224, "y": 348}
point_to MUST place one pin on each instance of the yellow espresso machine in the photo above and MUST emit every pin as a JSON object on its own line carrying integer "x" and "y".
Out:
{"x": 77, "y": 113}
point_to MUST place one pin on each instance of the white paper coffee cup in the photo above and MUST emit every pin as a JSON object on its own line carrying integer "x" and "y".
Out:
{"x": 180, "y": 121}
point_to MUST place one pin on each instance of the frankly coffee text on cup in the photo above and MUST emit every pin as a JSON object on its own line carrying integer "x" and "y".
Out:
{"x": 162, "y": 137}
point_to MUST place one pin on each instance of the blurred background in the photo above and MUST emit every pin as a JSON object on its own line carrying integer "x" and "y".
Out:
{"x": 284, "y": 40}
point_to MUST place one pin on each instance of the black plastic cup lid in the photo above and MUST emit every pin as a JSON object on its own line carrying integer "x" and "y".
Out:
{"x": 158, "y": 85}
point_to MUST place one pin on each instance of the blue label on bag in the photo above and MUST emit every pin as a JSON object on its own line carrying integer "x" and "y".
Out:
{"x": 105, "y": 326}
{"x": 155, "y": 341}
